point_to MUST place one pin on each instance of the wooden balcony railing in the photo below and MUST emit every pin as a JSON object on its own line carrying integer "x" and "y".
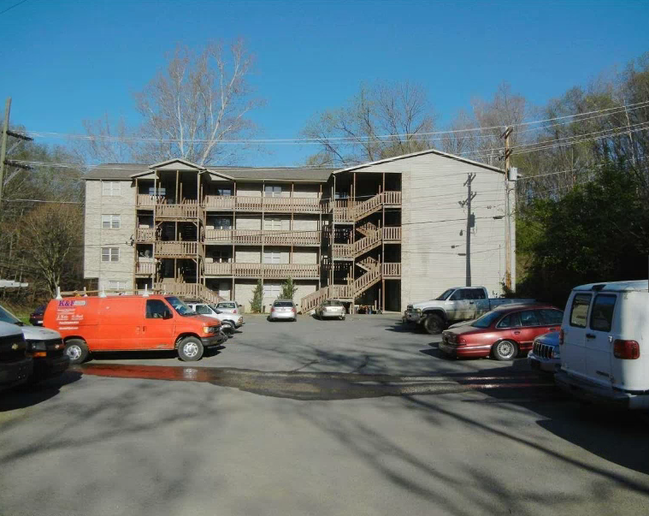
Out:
{"x": 144, "y": 267}
{"x": 265, "y": 270}
{"x": 176, "y": 249}
{"x": 188, "y": 290}
{"x": 392, "y": 233}
{"x": 258, "y": 237}
{"x": 186, "y": 210}
{"x": 392, "y": 270}
{"x": 147, "y": 200}
{"x": 343, "y": 251}
{"x": 145, "y": 234}
{"x": 267, "y": 204}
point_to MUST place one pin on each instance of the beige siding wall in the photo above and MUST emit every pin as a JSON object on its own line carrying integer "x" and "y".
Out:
{"x": 247, "y": 255}
{"x": 277, "y": 222}
{"x": 249, "y": 189}
{"x": 305, "y": 255}
{"x": 304, "y": 288}
{"x": 282, "y": 252}
{"x": 305, "y": 222}
{"x": 305, "y": 190}
{"x": 432, "y": 187}
{"x": 243, "y": 293}
{"x": 95, "y": 237}
{"x": 248, "y": 222}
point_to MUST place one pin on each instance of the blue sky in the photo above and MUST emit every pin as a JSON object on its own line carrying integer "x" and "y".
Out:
{"x": 68, "y": 60}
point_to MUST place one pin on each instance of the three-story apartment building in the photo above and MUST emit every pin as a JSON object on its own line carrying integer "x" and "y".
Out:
{"x": 380, "y": 233}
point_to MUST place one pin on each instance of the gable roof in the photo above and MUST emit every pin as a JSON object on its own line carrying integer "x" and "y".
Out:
{"x": 127, "y": 171}
{"x": 421, "y": 153}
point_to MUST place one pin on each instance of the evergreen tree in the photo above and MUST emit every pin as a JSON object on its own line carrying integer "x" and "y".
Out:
{"x": 288, "y": 289}
{"x": 257, "y": 298}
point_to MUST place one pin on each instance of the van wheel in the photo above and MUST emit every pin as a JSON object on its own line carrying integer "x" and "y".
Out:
{"x": 77, "y": 350}
{"x": 504, "y": 350}
{"x": 190, "y": 349}
{"x": 434, "y": 324}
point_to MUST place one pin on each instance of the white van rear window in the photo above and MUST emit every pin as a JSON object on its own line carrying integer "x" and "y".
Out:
{"x": 579, "y": 310}
{"x": 601, "y": 317}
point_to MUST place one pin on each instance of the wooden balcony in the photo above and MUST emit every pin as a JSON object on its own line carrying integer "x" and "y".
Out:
{"x": 265, "y": 204}
{"x": 257, "y": 237}
{"x": 176, "y": 249}
{"x": 186, "y": 210}
{"x": 145, "y": 235}
{"x": 147, "y": 201}
{"x": 263, "y": 270}
{"x": 392, "y": 234}
{"x": 144, "y": 267}
{"x": 391, "y": 270}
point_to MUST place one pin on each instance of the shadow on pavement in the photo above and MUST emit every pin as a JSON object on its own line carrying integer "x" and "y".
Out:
{"x": 27, "y": 396}
{"x": 148, "y": 355}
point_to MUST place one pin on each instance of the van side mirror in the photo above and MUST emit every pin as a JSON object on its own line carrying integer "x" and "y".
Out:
{"x": 167, "y": 315}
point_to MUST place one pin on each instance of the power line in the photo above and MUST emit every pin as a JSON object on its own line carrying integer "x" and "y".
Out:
{"x": 11, "y": 7}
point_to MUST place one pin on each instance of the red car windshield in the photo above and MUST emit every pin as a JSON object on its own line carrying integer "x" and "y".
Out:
{"x": 486, "y": 320}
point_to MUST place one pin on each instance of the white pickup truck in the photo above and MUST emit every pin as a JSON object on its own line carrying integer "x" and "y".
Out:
{"x": 454, "y": 305}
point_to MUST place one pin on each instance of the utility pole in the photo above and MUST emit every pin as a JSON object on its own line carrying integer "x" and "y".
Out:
{"x": 3, "y": 146}
{"x": 628, "y": 129}
{"x": 508, "y": 222}
{"x": 470, "y": 223}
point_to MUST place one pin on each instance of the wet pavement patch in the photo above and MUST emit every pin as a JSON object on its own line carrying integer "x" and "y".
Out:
{"x": 333, "y": 386}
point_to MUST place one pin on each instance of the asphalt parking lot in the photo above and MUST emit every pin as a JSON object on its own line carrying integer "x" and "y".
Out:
{"x": 315, "y": 417}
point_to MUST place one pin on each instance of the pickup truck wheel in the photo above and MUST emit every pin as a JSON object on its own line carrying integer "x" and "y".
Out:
{"x": 190, "y": 349}
{"x": 77, "y": 350}
{"x": 434, "y": 324}
{"x": 504, "y": 350}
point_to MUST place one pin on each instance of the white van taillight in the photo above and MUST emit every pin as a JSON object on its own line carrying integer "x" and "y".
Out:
{"x": 561, "y": 336}
{"x": 626, "y": 349}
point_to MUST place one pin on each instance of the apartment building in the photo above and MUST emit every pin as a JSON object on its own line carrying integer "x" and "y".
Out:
{"x": 379, "y": 234}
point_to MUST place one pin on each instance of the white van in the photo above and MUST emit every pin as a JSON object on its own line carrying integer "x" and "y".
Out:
{"x": 605, "y": 343}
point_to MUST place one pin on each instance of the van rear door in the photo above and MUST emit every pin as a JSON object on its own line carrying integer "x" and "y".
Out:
{"x": 574, "y": 327}
{"x": 598, "y": 338}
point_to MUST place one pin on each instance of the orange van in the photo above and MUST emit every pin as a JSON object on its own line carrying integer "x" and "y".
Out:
{"x": 131, "y": 323}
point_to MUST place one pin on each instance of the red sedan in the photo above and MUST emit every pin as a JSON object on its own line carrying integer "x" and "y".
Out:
{"x": 503, "y": 333}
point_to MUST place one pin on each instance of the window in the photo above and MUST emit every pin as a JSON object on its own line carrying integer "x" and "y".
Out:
{"x": 551, "y": 317}
{"x": 272, "y": 291}
{"x": 271, "y": 257}
{"x": 226, "y": 305}
{"x": 579, "y": 310}
{"x": 111, "y": 188}
{"x": 457, "y": 295}
{"x": 203, "y": 310}
{"x": 156, "y": 309}
{"x": 530, "y": 318}
{"x": 486, "y": 320}
{"x": 601, "y": 317}
{"x": 116, "y": 285}
{"x": 510, "y": 321}
{"x": 273, "y": 224}
{"x": 478, "y": 293}
{"x": 223, "y": 223}
{"x": 224, "y": 191}
{"x": 110, "y": 254}
{"x": 161, "y": 191}
{"x": 179, "y": 306}
{"x": 110, "y": 221}
{"x": 273, "y": 190}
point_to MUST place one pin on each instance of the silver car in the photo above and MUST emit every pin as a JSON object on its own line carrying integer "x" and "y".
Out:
{"x": 545, "y": 355}
{"x": 230, "y": 307}
{"x": 331, "y": 308}
{"x": 283, "y": 309}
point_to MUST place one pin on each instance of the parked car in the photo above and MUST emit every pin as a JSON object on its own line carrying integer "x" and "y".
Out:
{"x": 605, "y": 329}
{"x": 283, "y": 309}
{"x": 230, "y": 321}
{"x": 231, "y": 307}
{"x": 15, "y": 365}
{"x": 503, "y": 333}
{"x": 545, "y": 355}
{"x": 36, "y": 317}
{"x": 44, "y": 346}
{"x": 331, "y": 308}
{"x": 131, "y": 323}
{"x": 454, "y": 305}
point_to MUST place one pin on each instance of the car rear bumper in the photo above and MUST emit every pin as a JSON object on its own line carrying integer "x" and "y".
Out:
{"x": 15, "y": 373}
{"x": 333, "y": 315}
{"x": 282, "y": 315}
{"x": 465, "y": 351}
{"x": 589, "y": 391}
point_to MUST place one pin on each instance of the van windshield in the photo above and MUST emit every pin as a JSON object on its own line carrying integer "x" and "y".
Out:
{"x": 179, "y": 306}
{"x": 6, "y": 316}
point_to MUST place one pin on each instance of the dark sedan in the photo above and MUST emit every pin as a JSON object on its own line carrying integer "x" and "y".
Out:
{"x": 36, "y": 317}
{"x": 503, "y": 333}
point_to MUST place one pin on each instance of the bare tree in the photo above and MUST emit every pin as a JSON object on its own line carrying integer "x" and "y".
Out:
{"x": 380, "y": 121}
{"x": 199, "y": 100}
{"x": 51, "y": 241}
